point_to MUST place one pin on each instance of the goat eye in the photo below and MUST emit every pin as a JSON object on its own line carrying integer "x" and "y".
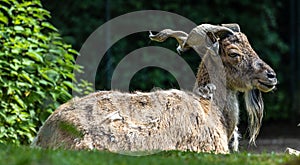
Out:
{"x": 233, "y": 55}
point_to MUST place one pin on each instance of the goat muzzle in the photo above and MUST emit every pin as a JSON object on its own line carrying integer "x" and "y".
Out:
{"x": 268, "y": 83}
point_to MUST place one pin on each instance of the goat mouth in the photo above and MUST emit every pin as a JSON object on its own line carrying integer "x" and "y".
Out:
{"x": 266, "y": 86}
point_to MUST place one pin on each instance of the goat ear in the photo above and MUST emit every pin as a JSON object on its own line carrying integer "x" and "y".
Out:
{"x": 233, "y": 26}
{"x": 219, "y": 35}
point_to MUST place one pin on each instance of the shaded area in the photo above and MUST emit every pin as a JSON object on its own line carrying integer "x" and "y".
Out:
{"x": 275, "y": 137}
{"x": 272, "y": 28}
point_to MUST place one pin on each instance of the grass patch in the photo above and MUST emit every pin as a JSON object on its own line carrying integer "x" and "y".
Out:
{"x": 11, "y": 155}
{"x": 70, "y": 129}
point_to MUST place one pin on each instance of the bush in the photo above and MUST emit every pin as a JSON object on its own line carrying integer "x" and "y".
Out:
{"x": 35, "y": 70}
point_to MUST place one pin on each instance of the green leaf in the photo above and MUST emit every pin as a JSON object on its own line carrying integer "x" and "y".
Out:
{"x": 3, "y": 18}
{"x": 43, "y": 82}
{"x": 10, "y": 90}
{"x": 35, "y": 96}
{"x": 50, "y": 75}
{"x": 73, "y": 51}
{"x": 11, "y": 119}
{"x": 35, "y": 56}
{"x": 16, "y": 108}
{"x": 69, "y": 57}
{"x": 56, "y": 51}
{"x": 19, "y": 101}
{"x": 64, "y": 95}
{"x": 23, "y": 116}
{"x": 9, "y": 2}
{"x": 69, "y": 84}
{"x": 26, "y": 77}
{"x": 48, "y": 25}
{"x": 19, "y": 28}
{"x": 23, "y": 85}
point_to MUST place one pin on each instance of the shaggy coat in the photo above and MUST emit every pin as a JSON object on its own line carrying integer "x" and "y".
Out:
{"x": 136, "y": 122}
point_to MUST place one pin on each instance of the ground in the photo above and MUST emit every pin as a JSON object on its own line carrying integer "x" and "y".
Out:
{"x": 274, "y": 137}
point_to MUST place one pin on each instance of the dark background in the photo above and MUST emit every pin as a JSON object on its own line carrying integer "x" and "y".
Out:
{"x": 272, "y": 28}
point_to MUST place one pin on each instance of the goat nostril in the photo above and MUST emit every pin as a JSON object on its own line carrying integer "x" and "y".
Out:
{"x": 271, "y": 75}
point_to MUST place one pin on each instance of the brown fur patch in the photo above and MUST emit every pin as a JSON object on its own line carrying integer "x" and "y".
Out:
{"x": 206, "y": 104}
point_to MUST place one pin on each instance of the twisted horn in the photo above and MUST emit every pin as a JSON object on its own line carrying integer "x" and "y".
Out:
{"x": 198, "y": 35}
{"x": 233, "y": 26}
{"x": 180, "y": 36}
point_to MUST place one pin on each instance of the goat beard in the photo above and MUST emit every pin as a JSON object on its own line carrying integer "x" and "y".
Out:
{"x": 255, "y": 107}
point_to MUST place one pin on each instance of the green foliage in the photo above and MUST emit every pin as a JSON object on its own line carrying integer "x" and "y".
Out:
{"x": 36, "y": 70}
{"x": 258, "y": 20}
{"x": 25, "y": 155}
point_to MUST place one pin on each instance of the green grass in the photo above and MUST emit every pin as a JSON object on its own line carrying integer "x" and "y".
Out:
{"x": 11, "y": 155}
